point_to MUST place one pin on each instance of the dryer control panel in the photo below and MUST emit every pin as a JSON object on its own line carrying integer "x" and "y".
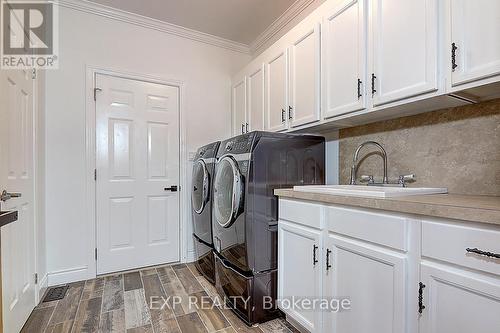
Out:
{"x": 238, "y": 145}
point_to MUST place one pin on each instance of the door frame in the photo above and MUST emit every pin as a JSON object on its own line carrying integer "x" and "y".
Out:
{"x": 90, "y": 155}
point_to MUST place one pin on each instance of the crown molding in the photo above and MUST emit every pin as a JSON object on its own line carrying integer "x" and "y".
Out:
{"x": 292, "y": 12}
{"x": 154, "y": 24}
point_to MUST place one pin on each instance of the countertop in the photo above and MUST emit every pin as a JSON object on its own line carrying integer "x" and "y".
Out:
{"x": 484, "y": 209}
{"x": 7, "y": 217}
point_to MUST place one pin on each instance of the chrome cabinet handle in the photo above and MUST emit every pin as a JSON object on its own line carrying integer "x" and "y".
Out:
{"x": 290, "y": 116}
{"x": 7, "y": 196}
{"x": 359, "y": 88}
{"x": 283, "y": 115}
{"x": 483, "y": 253}
{"x": 247, "y": 127}
{"x": 242, "y": 128}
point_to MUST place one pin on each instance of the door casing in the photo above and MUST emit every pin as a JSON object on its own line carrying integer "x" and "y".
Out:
{"x": 90, "y": 153}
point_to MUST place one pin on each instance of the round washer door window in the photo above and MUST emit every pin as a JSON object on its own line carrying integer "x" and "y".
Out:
{"x": 201, "y": 183}
{"x": 228, "y": 192}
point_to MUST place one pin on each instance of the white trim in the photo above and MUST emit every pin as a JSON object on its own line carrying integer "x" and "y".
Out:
{"x": 90, "y": 154}
{"x": 191, "y": 256}
{"x": 292, "y": 12}
{"x": 68, "y": 275}
{"x": 43, "y": 284}
{"x": 150, "y": 23}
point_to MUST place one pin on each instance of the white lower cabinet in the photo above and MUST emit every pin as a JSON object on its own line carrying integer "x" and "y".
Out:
{"x": 458, "y": 301}
{"x": 388, "y": 273}
{"x": 372, "y": 279}
{"x": 299, "y": 271}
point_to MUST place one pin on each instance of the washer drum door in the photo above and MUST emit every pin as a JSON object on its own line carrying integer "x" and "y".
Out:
{"x": 201, "y": 186}
{"x": 228, "y": 192}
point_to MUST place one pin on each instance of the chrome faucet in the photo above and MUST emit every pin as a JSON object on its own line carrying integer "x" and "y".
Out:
{"x": 354, "y": 167}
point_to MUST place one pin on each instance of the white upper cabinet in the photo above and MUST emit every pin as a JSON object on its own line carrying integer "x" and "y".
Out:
{"x": 276, "y": 92}
{"x": 239, "y": 106}
{"x": 304, "y": 84}
{"x": 475, "y": 27}
{"x": 404, "y": 37}
{"x": 256, "y": 85}
{"x": 344, "y": 58}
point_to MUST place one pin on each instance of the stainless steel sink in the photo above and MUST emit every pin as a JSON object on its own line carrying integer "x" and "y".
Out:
{"x": 370, "y": 191}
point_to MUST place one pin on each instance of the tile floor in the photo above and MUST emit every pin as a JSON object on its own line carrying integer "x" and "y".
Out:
{"x": 117, "y": 303}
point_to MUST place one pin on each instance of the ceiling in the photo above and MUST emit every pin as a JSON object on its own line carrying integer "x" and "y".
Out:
{"x": 237, "y": 20}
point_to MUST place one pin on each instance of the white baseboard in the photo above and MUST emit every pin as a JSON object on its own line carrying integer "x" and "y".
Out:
{"x": 191, "y": 255}
{"x": 68, "y": 276}
{"x": 43, "y": 284}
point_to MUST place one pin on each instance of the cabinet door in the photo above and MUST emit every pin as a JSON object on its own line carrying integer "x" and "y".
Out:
{"x": 298, "y": 274}
{"x": 239, "y": 106}
{"x": 404, "y": 49}
{"x": 344, "y": 58}
{"x": 256, "y": 99}
{"x": 459, "y": 301}
{"x": 276, "y": 93}
{"x": 474, "y": 31}
{"x": 373, "y": 279}
{"x": 305, "y": 58}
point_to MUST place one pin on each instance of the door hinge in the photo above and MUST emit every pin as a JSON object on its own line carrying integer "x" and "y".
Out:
{"x": 95, "y": 175}
{"x": 95, "y": 254}
{"x": 95, "y": 93}
{"x": 33, "y": 73}
{"x": 421, "y": 305}
{"x": 36, "y": 278}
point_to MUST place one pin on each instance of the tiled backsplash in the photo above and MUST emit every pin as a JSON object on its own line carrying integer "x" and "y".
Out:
{"x": 458, "y": 148}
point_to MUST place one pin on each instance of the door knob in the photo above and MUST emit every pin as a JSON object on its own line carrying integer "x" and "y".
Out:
{"x": 172, "y": 188}
{"x": 7, "y": 196}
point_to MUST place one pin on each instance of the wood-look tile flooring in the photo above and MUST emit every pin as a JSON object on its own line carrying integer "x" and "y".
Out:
{"x": 117, "y": 303}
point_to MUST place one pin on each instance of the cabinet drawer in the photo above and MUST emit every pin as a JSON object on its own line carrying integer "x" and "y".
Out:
{"x": 384, "y": 229}
{"x": 449, "y": 242}
{"x": 301, "y": 212}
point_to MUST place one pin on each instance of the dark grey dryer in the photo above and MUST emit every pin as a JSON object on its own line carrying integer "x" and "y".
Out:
{"x": 245, "y": 211}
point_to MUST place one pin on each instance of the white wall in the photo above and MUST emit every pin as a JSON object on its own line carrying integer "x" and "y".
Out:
{"x": 87, "y": 39}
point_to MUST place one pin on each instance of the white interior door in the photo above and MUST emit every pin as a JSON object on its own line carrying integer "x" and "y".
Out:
{"x": 137, "y": 146}
{"x": 16, "y": 175}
